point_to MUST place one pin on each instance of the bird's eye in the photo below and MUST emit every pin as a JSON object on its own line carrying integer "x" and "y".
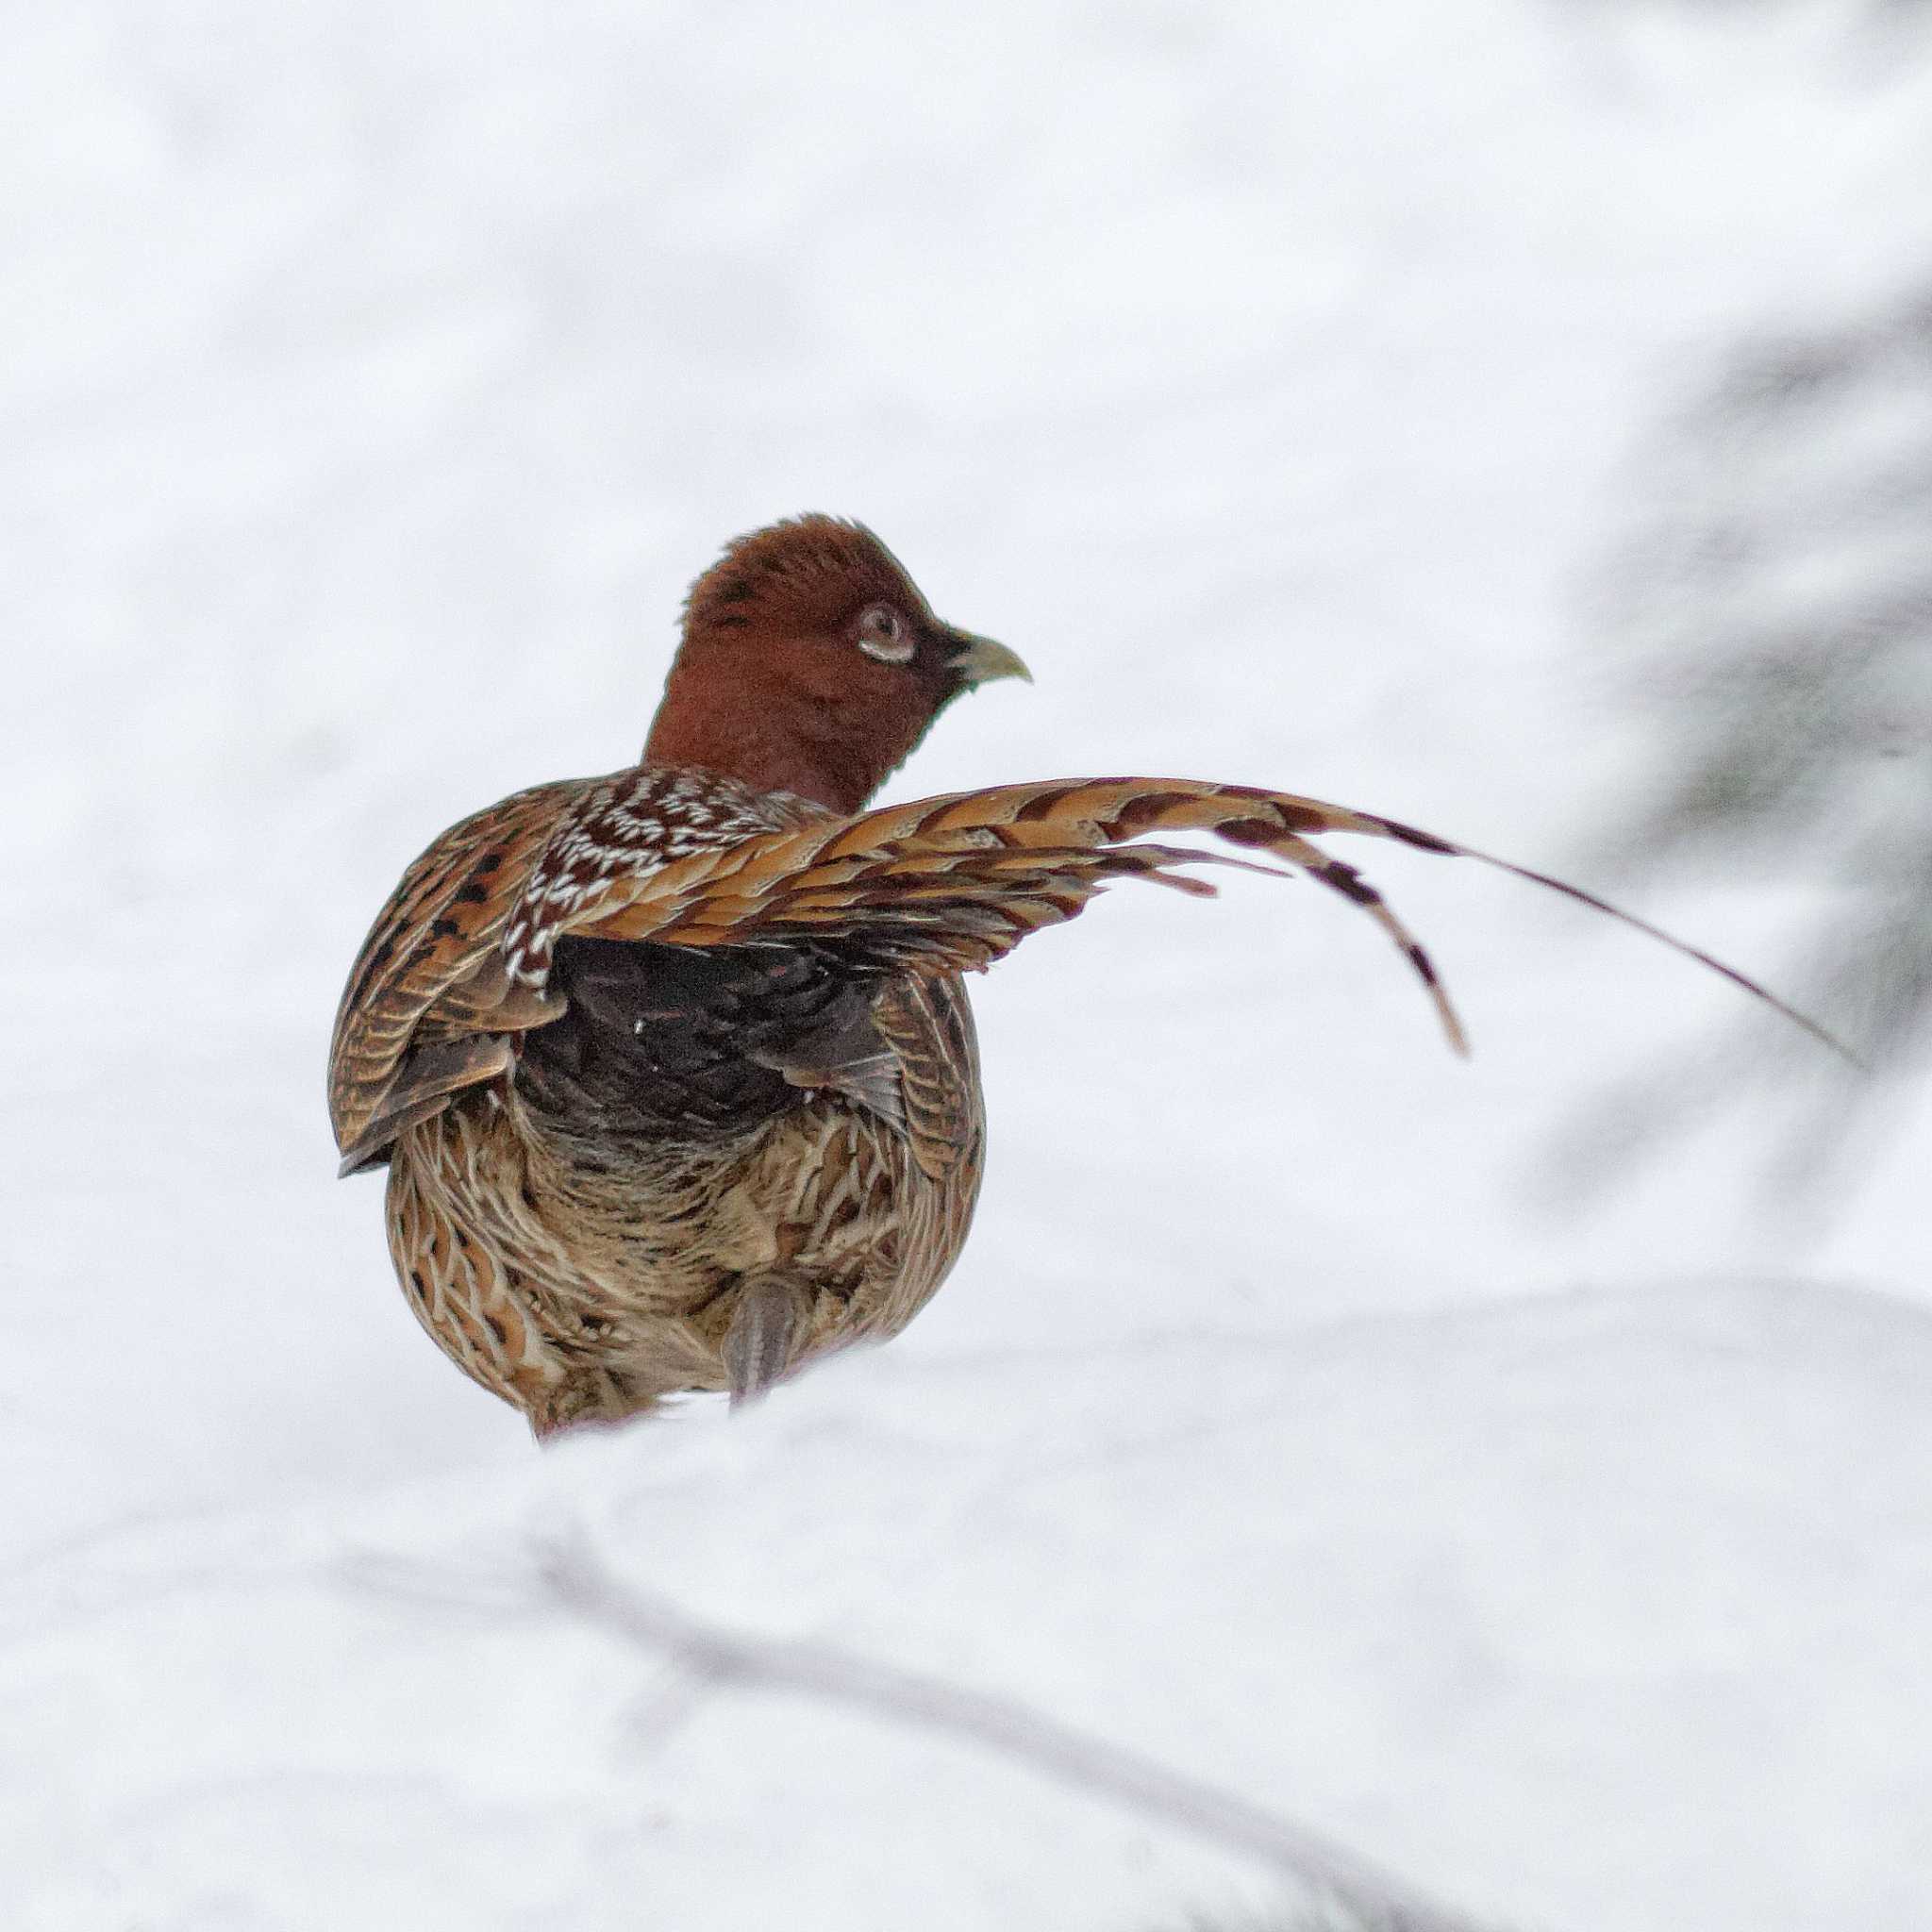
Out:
{"x": 883, "y": 634}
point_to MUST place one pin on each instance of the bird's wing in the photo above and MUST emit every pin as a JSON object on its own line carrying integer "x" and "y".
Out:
{"x": 429, "y": 999}
{"x": 953, "y": 883}
{"x": 458, "y": 960}
{"x": 927, "y": 1027}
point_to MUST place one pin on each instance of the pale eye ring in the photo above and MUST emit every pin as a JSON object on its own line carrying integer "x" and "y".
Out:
{"x": 884, "y": 634}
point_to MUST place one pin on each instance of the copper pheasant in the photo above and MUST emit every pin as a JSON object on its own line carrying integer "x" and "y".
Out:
{"x": 672, "y": 1070}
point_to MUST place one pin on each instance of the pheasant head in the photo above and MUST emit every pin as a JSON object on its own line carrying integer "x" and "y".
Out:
{"x": 811, "y": 663}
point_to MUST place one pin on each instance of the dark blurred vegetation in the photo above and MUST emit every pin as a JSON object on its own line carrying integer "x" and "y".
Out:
{"x": 1774, "y": 616}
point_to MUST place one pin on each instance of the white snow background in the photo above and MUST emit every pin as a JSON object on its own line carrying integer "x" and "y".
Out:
{"x": 373, "y": 379}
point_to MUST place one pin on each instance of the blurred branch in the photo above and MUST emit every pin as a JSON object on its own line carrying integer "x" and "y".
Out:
{"x": 1329, "y": 1915}
{"x": 1379, "y": 1900}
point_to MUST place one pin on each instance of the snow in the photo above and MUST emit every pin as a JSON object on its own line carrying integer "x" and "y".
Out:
{"x": 1273, "y": 379}
{"x": 1588, "y": 1608}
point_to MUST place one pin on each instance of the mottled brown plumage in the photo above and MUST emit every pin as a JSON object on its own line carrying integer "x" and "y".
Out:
{"x": 672, "y": 1070}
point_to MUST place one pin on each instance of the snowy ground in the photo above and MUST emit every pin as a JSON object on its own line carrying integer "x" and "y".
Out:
{"x": 1273, "y": 377}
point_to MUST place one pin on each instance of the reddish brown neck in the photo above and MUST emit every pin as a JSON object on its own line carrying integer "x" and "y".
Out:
{"x": 772, "y": 746}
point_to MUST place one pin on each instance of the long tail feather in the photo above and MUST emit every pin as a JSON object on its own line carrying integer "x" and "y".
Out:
{"x": 954, "y": 882}
{"x": 1427, "y": 841}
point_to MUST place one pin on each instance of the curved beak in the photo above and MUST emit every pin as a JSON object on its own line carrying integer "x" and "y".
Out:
{"x": 979, "y": 660}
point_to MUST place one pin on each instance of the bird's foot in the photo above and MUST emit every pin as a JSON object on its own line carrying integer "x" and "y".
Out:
{"x": 767, "y": 1325}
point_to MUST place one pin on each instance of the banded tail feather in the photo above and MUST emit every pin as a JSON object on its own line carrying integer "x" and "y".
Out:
{"x": 954, "y": 882}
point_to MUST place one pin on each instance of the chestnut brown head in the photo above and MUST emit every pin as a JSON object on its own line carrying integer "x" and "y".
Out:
{"x": 811, "y": 663}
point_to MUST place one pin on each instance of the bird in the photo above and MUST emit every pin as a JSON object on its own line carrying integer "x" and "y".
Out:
{"x": 672, "y": 1070}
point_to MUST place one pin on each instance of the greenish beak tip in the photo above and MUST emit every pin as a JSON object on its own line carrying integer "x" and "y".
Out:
{"x": 979, "y": 660}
